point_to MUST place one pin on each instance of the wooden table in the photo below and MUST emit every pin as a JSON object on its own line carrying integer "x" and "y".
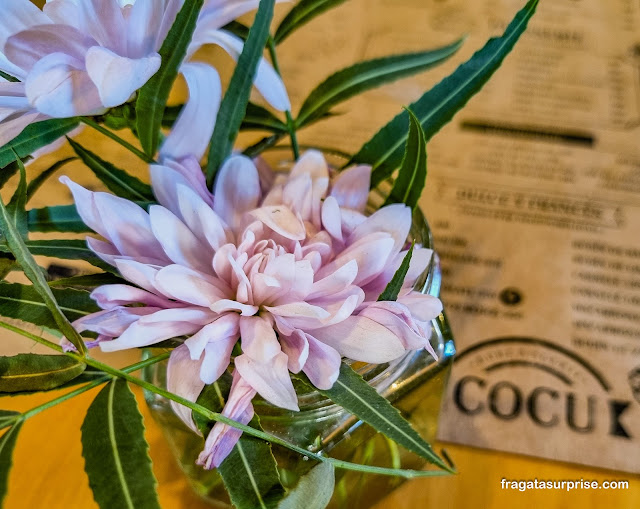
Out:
{"x": 48, "y": 472}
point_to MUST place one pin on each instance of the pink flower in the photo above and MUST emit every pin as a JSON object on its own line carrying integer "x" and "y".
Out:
{"x": 81, "y": 57}
{"x": 292, "y": 269}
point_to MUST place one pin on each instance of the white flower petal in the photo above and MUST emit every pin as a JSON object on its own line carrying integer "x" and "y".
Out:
{"x": 237, "y": 190}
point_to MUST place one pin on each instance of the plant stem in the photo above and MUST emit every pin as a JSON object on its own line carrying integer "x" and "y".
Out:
{"x": 214, "y": 416}
{"x": 95, "y": 383}
{"x": 291, "y": 125}
{"x": 92, "y": 123}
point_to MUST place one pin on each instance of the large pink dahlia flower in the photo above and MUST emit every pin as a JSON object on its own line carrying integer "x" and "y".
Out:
{"x": 287, "y": 264}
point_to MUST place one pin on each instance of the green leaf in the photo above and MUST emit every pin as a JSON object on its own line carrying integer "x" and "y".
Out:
{"x": 313, "y": 491}
{"x": 34, "y": 137}
{"x": 249, "y": 473}
{"x": 117, "y": 181}
{"x": 8, "y": 418}
{"x": 435, "y": 108}
{"x": 17, "y": 206}
{"x": 23, "y": 302}
{"x": 235, "y": 101}
{"x": 35, "y": 275}
{"x": 153, "y": 96}
{"x": 37, "y": 182}
{"x": 116, "y": 453}
{"x": 7, "y": 172}
{"x": 7, "y": 444}
{"x": 392, "y": 290}
{"x": 355, "y": 395}
{"x": 65, "y": 250}
{"x": 8, "y": 77}
{"x": 61, "y": 218}
{"x": 257, "y": 117}
{"x": 31, "y": 372}
{"x": 88, "y": 281}
{"x": 412, "y": 176}
{"x": 303, "y": 12}
{"x": 367, "y": 75}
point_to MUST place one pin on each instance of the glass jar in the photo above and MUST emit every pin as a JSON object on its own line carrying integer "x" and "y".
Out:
{"x": 414, "y": 384}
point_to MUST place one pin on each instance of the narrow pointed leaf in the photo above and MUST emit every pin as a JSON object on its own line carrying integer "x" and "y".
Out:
{"x": 412, "y": 176}
{"x": 31, "y": 372}
{"x": 16, "y": 207}
{"x": 303, "y": 12}
{"x": 36, "y": 136}
{"x": 116, "y": 453}
{"x": 37, "y": 182}
{"x": 60, "y": 218}
{"x": 66, "y": 250}
{"x": 313, "y": 491}
{"x": 23, "y": 302}
{"x": 435, "y": 108}
{"x": 259, "y": 118}
{"x": 8, "y": 418}
{"x": 88, "y": 281}
{"x": 364, "y": 76}
{"x": 35, "y": 275}
{"x": 7, "y": 444}
{"x": 234, "y": 104}
{"x": 249, "y": 473}
{"x": 9, "y": 77}
{"x": 118, "y": 181}
{"x": 7, "y": 172}
{"x": 153, "y": 96}
{"x": 355, "y": 395}
{"x": 392, "y": 290}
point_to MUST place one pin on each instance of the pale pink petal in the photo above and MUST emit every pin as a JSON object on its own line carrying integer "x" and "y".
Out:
{"x": 259, "y": 340}
{"x": 110, "y": 296}
{"x": 59, "y": 86}
{"x": 104, "y": 21}
{"x": 223, "y": 438}
{"x": 11, "y": 69}
{"x": 24, "y": 49}
{"x": 187, "y": 285}
{"x": 237, "y": 190}
{"x": 296, "y": 347}
{"x": 394, "y": 219}
{"x": 141, "y": 334}
{"x": 143, "y": 24}
{"x": 192, "y": 131}
{"x": 351, "y": 187}
{"x": 224, "y": 327}
{"x": 336, "y": 281}
{"x": 281, "y": 220}
{"x": 225, "y": 305}
{"x": 311, "y": 163}
{"x": 138, "y": 273}
{"x": 196, "y": 316}
{"x": 332, "y": 218}
{"x": 397, "y": 318}
{"x": 217, "y": 356}
{"x": 14, "y": 125}
{"x": 271, "y": 380}
{"x": 297, "y": 195}
{"x": 323, "y": 364}
{"x": 183, "y": 379}
{"x": 117, "y": 77}
{"x": 112, "y": 322}
{"x": 362, "y": 339}
{"x": 18, "y": 15}
{"x": 86, "y": 206}
{"x": 423, "y": 307}
{"x": 63, "y": 12}
{"x": 177, "y": 241}
{"x": 190, "y": 169}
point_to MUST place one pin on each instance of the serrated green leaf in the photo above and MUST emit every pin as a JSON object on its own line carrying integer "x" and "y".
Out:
{"x": 60, "y": 218}
{"x": 435, "y": 108}
{"x": 36, "y": 136}
{"x": 117, "y": 180}
{"x": 153, "y": 96}
{"x": 249, "y": 473}
{"x": 116, "y": 453}
{"x": 412, "y": 176}
{"x": 65, "y": 250}
{"x": 23, "y": 302}
{"x": 234, "y": 104}
{"x": 88, "y": 281}
{"x": 364, "y": 76}
{"x": 17, "y": 206}
{"x": 355, "y": 395}
{"x": 7, "y": 444}
{"x": 392, "y": 290}
{"x": 31, "y": 372}
{"x": 313, "y": 491}
{"x": 303, "y": 12}
{"x": 35, "y": 275}
{"x": 37, "y": 182}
